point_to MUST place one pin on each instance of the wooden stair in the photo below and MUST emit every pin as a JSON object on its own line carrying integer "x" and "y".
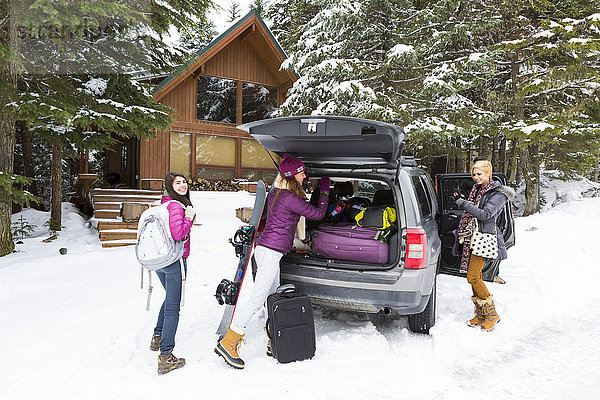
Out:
{"x": 107, "y": 203}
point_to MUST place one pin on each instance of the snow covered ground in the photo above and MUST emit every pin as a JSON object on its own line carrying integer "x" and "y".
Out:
{"x": 74, "y": 326}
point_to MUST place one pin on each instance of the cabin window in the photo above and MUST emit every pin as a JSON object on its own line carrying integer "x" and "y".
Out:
{"x": 256, "y": 163}
{"x": 265, "y": 176}
{"x": 216, "y": 173}
{"x": 217, "y": 99}
{"x": 215, "y": 150}
{"x": 258, "y": 102}
{"x": 180, "y": 153}
{"x": 255, "y": 156}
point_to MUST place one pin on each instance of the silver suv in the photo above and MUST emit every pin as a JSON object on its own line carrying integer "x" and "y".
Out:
{"x": 364, "y": 160}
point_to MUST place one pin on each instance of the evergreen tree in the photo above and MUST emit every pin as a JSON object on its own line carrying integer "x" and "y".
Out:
{"x": 194, "y": 38}
{"x": 233, "y": 11}
{"x": 519, "y": 75}
{"x": 66, "y": 49}
{"x": 334, "y": 62}
{"x": 260, "y": 6}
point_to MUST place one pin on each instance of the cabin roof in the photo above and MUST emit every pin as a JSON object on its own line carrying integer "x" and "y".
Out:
{"x": 249, "y": 21}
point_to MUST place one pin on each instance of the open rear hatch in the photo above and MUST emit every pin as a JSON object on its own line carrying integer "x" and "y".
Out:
{"x": 328, "y": 141}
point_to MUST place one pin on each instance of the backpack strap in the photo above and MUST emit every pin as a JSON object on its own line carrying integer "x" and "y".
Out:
{"x": 183, "y": 278}
{"x": 149, "y": 290}
{"x": 187, "y": 237}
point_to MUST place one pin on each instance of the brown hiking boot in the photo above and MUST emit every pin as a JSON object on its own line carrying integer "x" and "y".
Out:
{"x": 168, "y": 362}
{"x": 490, "y": 316}
{"x": 478, "y": 318}
{"x": 155, "y": 342}
{"x": 228, "y": 349}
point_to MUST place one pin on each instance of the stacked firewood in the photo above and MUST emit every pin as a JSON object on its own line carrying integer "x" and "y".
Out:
{"x": 214, "y": 186}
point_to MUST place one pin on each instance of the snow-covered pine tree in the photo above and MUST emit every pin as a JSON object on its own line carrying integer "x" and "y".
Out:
{"x": 77, "y": 58}
{"x": 552, "y": 76}
{"x": 289, "y": 18}
{"x": 440, "y": 73}
{"x": 333, "y": 61}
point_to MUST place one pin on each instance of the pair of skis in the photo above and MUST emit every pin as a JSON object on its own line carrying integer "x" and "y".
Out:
{"x": 243, "y": 241}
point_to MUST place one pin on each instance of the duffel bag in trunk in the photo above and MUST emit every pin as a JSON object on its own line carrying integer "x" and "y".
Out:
{"x": 347, "y": 241}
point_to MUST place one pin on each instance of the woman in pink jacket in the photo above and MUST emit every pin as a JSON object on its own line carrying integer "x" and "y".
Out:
{"x": 181, "y": 217}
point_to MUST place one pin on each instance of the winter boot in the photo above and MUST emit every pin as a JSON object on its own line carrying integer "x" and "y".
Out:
{"x": 168, "y": 362}
{"x": 269, "y": 351}
{"x": 499, "y": 280}
{"x": 478, "y": 318}
{"x": 155, "y": 342}
{"x": 228, "y": 349}
{"x": 490, "y": 316}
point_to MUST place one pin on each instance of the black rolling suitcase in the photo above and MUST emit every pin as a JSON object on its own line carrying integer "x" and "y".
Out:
{"x": 290, "y": 325}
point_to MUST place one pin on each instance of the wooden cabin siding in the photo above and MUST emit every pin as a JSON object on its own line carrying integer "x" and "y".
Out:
{"x": 154, "y": 156}
{"x": 239, "y": 60}
{"x": 183, "y": 99}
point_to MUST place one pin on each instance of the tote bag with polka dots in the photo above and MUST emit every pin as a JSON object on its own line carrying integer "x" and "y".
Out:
{"x": 484, "y": 244}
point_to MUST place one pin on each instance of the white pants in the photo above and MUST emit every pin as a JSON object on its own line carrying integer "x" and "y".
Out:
{"x": 266, "y": 282}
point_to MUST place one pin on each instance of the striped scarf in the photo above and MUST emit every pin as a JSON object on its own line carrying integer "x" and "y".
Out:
{"x": 466, "y": 226}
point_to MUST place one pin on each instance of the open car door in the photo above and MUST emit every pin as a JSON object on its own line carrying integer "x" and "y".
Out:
{"x": 449, "y": 216}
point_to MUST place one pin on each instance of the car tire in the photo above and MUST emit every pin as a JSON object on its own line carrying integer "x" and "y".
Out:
{"x": 423, "y": 321}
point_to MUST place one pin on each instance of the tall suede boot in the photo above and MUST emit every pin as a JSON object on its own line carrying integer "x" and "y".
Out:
{"x": 168, "y": 362}
{"x": 478, "y": 318}
{"x": 228, "y": 349}
{"x": 489, "y": 314}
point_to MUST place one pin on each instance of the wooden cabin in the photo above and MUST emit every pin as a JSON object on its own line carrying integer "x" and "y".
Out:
{"x": 235, "y": 79}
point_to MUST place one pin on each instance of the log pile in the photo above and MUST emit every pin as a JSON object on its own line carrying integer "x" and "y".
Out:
{"x": 214, "y": 186}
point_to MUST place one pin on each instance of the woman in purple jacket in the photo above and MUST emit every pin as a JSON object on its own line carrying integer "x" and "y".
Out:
{"x": 181, "y": 217}
{"x": 285, "y": 206}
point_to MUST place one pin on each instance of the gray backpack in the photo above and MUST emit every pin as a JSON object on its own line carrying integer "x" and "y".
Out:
{"x": 155, "y": 247}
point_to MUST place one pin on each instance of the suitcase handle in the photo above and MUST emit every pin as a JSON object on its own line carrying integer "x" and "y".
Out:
{"x": 286, "y": 288}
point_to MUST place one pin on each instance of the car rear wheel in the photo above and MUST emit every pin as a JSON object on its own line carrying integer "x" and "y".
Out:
{"x": 422, "y": 322}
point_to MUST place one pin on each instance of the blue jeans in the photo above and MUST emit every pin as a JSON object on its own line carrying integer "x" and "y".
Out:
{"x": 168, "y": 317}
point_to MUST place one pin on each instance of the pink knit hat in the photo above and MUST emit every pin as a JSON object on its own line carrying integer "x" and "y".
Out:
{"x": 290, "y": 166}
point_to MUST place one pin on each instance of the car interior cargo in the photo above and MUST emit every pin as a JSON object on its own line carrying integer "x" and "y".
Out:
{"x": 359, "y": 230}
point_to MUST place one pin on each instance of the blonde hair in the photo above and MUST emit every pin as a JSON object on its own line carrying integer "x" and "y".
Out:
{"x": 290, "y": 184}
{"x": 483, "y": 165}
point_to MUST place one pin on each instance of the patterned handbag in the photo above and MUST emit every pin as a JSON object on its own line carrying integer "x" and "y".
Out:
{"x": 484, "y": 244}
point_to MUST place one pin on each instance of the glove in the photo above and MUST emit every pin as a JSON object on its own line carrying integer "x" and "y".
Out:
{"x": 190, "y": 213}
{"x": 456, "y": 198}
{"x": 460, "y": 202}
{"x": 324, "y": 184}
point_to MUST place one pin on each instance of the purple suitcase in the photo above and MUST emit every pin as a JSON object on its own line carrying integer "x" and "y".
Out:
{"x": 347, "y": 241}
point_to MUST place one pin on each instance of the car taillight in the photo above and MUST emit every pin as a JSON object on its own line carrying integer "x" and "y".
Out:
{"x": 416, "y": 249}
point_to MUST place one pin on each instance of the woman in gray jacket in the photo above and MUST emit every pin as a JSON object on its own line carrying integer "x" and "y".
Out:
{"x": 484, "y": 203}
